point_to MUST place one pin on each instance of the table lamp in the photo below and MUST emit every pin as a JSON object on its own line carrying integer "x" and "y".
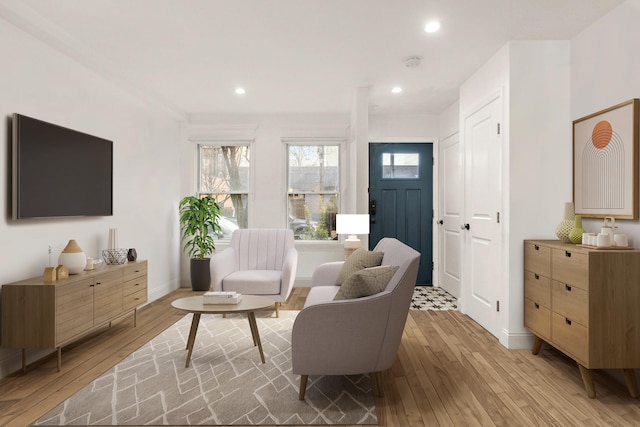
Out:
{"x": 352, "y": 225}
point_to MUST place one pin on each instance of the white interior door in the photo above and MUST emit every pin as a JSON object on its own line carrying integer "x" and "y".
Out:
{"x": 481, "y": 231}
{"x": 451, "y": 208}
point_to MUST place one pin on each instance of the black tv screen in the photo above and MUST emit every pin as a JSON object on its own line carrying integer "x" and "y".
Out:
{"x": 59, "y": 172}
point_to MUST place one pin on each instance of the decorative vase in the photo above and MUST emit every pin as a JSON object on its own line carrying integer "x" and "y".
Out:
{"x": 567, "y": 224}
{"x": 73, "y": 257}
{"x": 132, "y": 255}
{"x": 576, "y": 234}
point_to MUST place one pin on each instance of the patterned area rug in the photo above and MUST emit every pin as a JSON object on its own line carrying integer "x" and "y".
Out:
{"x": 432, "y": 298}
{"x": 226, "y": 383}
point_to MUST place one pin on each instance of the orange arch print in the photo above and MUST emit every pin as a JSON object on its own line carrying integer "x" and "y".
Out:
{"x": 601, "y": 134}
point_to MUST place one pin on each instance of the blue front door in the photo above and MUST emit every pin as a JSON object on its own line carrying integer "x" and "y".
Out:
{"x": 401, "y": 198}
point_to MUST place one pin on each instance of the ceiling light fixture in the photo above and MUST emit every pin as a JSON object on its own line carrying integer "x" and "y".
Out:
{"x": 412, "y": 61}
{"x": 432, "y": 26}
{"x": 396, "y": 89}
{"x": 240, "y": 91}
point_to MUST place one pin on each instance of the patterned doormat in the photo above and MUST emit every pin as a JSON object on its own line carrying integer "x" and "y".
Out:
{"x": 432, "y": 298}
{"x": 226, "y": 383}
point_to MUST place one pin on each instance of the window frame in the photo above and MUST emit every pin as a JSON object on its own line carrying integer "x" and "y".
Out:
{"x": 338, "y": 194}
{"x": 250, "y": 182}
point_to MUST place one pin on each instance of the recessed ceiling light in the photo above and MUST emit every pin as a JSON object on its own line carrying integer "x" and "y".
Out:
{"x": 432, "y": 26}
{"x": 240, "y": 91}
{"x": 396, "y": 89}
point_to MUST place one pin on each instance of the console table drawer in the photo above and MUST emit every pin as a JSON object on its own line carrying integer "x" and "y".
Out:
{"x": 570, "y": 302}
{"x": 135, "y": 285}
{"x": 571, "y": 337}
{"x": 135, "y": 299}
{"x": 537, "y": 318}
{"x": 133, "y": 270}
{"x": 537, "y": 288}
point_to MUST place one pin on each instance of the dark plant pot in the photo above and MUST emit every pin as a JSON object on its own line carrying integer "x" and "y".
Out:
{"x": 200, "y": 274}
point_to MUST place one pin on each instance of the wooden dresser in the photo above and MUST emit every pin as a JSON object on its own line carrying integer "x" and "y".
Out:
{"x": 36, "y": 314}
{"x": 586, "y": 303}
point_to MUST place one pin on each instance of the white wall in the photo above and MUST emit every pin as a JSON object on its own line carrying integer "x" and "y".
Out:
{"x": 38, "y": 81}
{"x": 604, "y": 72}
{"x": 533, "y": 79}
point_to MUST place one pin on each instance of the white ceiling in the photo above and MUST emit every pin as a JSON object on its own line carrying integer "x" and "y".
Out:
{"x": 294, "y": 56}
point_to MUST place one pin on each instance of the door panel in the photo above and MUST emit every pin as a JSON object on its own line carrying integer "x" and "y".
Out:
{"x": 401, "y": 184}
{"x": 452, "y": 191}
{"x": 482, "y": 205}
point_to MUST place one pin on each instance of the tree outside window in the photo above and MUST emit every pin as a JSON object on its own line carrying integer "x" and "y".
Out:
{"x": 224, "y": 175}
{"x": 313, "y": 190}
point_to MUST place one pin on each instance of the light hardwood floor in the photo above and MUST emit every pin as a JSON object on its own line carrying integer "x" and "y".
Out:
{"x": 450, "y": 372}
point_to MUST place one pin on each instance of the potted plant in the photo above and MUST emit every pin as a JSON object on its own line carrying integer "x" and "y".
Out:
{"x": 199, "y": 222}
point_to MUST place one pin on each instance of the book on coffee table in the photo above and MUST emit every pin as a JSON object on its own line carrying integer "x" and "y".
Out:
{"x": 221, "y": 297}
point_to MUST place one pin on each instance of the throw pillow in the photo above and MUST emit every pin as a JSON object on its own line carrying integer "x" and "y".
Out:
{"x": 359, "y": 259}
{"x": 368, "y": 281}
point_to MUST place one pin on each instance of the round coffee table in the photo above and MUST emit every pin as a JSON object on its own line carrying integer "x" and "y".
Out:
{"x": 249, "y": 305}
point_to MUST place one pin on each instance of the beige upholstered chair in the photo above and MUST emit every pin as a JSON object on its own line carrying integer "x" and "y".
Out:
{"x": 257, "y": 262}
{"x": 354, "y": 336}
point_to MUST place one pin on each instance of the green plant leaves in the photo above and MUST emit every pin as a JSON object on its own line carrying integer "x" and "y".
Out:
{"x": 199, "y": 223}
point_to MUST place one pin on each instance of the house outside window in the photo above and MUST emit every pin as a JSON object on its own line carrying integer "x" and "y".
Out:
{"x": 223, "y": 174}
{"x": 313, "y": 183}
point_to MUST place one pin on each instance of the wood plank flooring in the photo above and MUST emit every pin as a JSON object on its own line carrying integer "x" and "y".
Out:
{"x": 449, "y": 372}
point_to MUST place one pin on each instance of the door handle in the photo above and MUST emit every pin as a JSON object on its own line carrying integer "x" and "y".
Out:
{"x": 372, "y": 207}
{"x": 465, "y": 227}
{"x": 441, "y": 222}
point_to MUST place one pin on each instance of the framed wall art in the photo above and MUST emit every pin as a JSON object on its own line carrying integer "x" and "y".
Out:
{"x": 605, "y": 162}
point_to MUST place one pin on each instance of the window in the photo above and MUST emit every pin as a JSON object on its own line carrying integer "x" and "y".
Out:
{"x": 224, "y": 175}
{"x": 313, "y": 190}
{"x": 400, "y": 165}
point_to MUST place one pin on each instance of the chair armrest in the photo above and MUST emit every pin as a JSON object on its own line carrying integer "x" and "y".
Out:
{"x": 289, "y": 267}
{"x": 340, "y": 337}
{"x": 222, "y": 264}
{"x": 326, "y": 274}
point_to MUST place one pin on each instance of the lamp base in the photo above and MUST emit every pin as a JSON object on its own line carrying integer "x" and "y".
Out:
{"x": 350, "y": 245}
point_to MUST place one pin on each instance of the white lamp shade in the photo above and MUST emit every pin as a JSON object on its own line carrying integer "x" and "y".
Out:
{"x": 352, "y": 224}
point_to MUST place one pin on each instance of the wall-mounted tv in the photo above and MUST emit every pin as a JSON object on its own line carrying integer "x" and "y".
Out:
{"x": 59, "y": 172}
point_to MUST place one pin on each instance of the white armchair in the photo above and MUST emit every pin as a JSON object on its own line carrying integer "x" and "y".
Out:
{"x": 257, "y": 262}
{"x": 354, "y": 336}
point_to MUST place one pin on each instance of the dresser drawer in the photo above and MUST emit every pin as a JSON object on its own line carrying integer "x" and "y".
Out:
{"x": 537, "y": 288}
{"x": 571, "y": 337}
{"x": 537, "y": 259}
{"x": 537, "y": 318}
{"x": 570, "y": 302}
{"x": 570, "y": 267}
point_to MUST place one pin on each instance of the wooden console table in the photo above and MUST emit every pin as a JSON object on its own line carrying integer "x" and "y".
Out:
{"x": 584, "y": 302}
{"x": 38, "y": 314}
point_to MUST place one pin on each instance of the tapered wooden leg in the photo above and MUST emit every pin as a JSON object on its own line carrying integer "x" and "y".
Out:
{"x": 24, "y": 360}
{"x": 59, "y": 359}
{"x": 277, "y": 309}
{"x": 303, "y": 386}
{"x": 587, "y": 379}
{"x": 537, "y": 344}
{"x": 254, "y": 326}
{"x": 630, "y": 379}
{"x": 375, "y": 383}
{"x": 192, "y": 337}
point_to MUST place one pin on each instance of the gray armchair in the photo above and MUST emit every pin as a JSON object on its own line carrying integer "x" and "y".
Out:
{"x": 354, "y": 336}
{"x": 257, "y": 262}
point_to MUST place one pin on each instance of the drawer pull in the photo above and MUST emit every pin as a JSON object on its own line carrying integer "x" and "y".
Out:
{"x": 98, "y": 283}
{"x": 536, "y": 304}
{"x": 537, "y": 276}
{"x": 567, "y": 321}
{"x": 536, "y": 247}
{"x": 568, "y": 288}
{"x": 567, "y": 254}
{"x": 137, "y": 271}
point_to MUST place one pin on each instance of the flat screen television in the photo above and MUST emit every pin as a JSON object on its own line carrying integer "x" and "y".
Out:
{"x": 59, "y": 172}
